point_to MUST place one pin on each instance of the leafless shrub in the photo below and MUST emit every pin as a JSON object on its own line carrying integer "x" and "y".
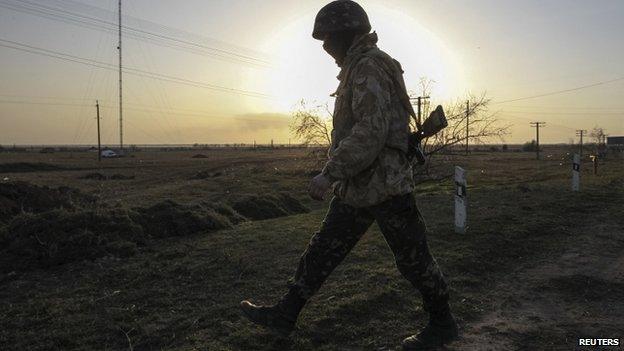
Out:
{"x": 311, "y": 125}
{"x": 468, "y": 119}
{"x": 598, "y": 135}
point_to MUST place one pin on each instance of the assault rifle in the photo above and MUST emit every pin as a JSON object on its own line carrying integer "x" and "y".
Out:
{"x": 432, "y": 125}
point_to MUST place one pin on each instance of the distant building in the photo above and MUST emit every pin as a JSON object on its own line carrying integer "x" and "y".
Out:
{"x": 615, "y": 143}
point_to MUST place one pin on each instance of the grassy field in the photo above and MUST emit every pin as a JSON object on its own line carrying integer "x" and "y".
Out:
{"x": 539, "y": 268}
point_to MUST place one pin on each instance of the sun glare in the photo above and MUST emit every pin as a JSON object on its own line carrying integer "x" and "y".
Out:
{"x": 302, "y": 70}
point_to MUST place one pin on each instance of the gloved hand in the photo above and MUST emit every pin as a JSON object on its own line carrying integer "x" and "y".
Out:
{"x": 319, "y": 186}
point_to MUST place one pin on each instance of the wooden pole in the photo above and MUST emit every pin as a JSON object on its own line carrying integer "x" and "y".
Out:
{"x": 121, "y": 144}
{"x": 580, "y": 133}
{"x": 537, "y": 126}
{"x": 97, "y": 107}
{"x": 419, "y": 101}
{"x": 538, "y": 147}
{"x": 467, "y": 124}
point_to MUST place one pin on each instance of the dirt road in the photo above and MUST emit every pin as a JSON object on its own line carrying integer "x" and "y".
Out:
{"x": 549, "y": 305}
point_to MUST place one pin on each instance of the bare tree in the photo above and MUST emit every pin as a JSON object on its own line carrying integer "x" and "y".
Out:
{"x": 473, "y": 122}
{"x": 600, "y": 138}
{"x": 598, "y": 135}
{"x": 312, "y": 125}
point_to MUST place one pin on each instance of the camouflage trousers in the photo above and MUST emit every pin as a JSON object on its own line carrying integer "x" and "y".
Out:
{"x": 404, "y": 230}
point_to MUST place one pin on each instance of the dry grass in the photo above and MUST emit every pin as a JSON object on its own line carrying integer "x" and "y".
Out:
{"x": 182, "y": 293}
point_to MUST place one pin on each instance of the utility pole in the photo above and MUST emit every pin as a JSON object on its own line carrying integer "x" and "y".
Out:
{"x": 120, "y": 87}
{"x": 580, "y": 133}
{"x": 97, "y": 108}
{"x": 467, "y": 123}
{"x": 419, "y": 102}
{"x": 537, "y": 127}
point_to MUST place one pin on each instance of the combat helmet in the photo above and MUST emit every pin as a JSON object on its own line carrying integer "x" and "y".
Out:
{"x": 339, "y": 16}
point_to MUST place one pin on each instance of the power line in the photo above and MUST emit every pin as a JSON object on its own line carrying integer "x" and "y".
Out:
{"x": 44, "y": 11}
{"x": 160, "y": 97}
{"x": 85, "y": 99}
{"x": 176, "y": 112}
{"x": 504, "y": 114}
{"x": 128, "y": 70}
{"x": 190, "y": 34}
{"x": 569, "y": 113}
{"x": 167, "y": 107}
{"x": 160, "y": 39}
{"x": 561, "y": 91}
{"x": 41, "y": 103}
{"x": 24, "y": 102}
{"x": 44, "y": 97}
{"x": 561, "y": 107}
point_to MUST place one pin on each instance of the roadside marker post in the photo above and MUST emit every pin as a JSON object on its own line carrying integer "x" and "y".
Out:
{"x": 594, "y": 159}
{"x": 576, "y": 172}
{"x": 461, "y": 200}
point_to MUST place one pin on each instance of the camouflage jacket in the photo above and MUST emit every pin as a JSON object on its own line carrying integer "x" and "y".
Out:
{"x": 367, "y": 158}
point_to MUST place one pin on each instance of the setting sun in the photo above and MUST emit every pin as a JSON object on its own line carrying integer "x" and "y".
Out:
{"x": 302, "y": 70}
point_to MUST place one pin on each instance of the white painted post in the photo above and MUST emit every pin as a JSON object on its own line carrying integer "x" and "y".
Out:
{"x": 461, "y": 200}
{"x": 576, "y": 172}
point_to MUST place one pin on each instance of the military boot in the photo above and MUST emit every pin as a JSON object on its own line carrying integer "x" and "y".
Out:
{"x": 279, "y": 318}
{"x": 441, "y": 330}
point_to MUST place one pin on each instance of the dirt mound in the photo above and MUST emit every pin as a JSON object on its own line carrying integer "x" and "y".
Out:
{"x": 291, "y": 204}
{"x": 59, "y": 236}
{"x": 168, "y": 218}
{"x": 268, "y": 206}
{"x": 24, "y": 167}
{"x": 19, "y": 197}
{"x": 44, "y": 227}
{"x": 227, "y": 211}
{"x": 100, "y": 176}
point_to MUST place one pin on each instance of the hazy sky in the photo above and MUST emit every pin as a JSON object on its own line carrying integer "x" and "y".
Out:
{"x": 245, "y": 64}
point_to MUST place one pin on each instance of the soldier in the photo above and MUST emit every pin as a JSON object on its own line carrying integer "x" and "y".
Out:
{"x": 372, "y": 180}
